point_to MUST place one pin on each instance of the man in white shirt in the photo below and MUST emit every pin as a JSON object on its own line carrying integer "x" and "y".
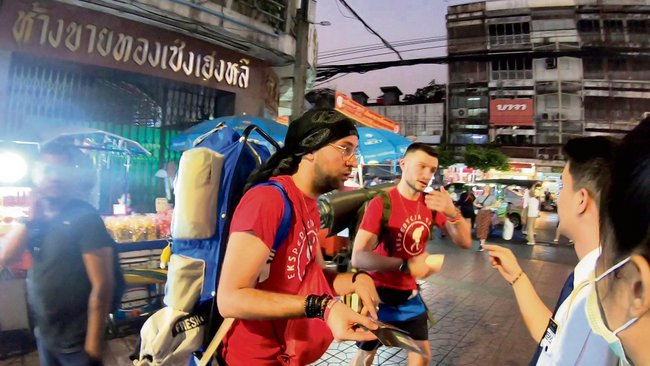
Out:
{"x": 564, "y": 334}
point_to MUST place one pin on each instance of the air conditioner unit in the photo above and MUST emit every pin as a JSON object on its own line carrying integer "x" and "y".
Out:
{"x": 542, "y": 156}
{"x": 469, "y": 80}
{"x": 461, "y": 113}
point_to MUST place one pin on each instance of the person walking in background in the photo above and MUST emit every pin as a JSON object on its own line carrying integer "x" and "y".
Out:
{"x": 618, "y": 305}
{"x": 466, "y": 205}
{"x": 563, "y": 334}
{"x": 484, "y": 203}
{"x": 395, "y": 255}
{"x": 70, "y": 286}
{"x": 532, "y": 213}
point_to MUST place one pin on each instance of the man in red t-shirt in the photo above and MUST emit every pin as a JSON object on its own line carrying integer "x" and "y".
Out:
{"x": 395, "y": 255}
{"x": 277, "y": 297}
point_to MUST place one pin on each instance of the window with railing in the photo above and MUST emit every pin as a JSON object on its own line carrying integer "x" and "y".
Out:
{"x": 589, "y": 30}
{"x": 509, "y": 34}
{"x": 512, "y": 69}
{"x": 638, "y": 31}
{"x": 614, "y": 30}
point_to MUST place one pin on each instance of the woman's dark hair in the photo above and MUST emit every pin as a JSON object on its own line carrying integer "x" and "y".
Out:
{"x": 625, "y": 205}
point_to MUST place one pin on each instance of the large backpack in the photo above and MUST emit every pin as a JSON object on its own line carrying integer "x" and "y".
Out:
{"x": 341, "y": 210}
{"x": 179, "y": 333}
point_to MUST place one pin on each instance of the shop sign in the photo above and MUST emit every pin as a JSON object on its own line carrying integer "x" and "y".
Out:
{"x": 511, "y": 112}
{"x": 363, "y": 115}
{"x": 79, "y": 34}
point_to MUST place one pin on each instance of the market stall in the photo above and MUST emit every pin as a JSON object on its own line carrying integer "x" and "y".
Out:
{"x": 139, "y": 238}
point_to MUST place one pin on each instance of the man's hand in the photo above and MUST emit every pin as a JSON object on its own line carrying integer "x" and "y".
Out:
{"x": 440, "y": 201}
{"x": 364, "y": 287}
{"x": 504, "y": 261}
{"x": 345, "y": 324}
{"x": 93, "y": 350}
{"x": 419, "y": 268}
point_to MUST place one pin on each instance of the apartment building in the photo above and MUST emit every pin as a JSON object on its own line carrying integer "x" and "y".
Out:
{"x": 531, "y": 74}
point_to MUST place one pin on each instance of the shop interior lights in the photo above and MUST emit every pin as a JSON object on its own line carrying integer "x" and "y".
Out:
{"x": 13, "y": 167}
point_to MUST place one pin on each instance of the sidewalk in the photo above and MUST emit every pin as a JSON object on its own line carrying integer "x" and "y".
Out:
{"x": 477, "y": 314}
{"x": 478, "y": 318}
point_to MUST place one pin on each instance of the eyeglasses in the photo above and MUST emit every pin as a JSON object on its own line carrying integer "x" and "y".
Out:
{"x": 346, "y": 151}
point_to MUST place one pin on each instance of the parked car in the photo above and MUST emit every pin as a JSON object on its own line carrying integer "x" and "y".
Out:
{"x": 510, "y": 192}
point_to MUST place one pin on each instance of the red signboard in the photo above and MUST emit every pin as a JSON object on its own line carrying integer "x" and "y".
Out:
{"x": 363, "y": 115}
{"x": 511, "y": 112}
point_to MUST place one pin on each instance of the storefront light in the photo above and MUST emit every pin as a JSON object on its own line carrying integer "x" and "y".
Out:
{"x": 13, "y": 167}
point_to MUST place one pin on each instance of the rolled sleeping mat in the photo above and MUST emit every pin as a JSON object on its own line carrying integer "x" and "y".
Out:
{"x": 338, "y": 209}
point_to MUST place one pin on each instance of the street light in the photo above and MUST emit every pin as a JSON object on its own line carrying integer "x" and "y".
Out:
{"x": 324, "y": 23}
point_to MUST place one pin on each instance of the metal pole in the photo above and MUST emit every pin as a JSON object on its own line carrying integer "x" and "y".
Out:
{"x": 300, "y": 64}
{"x": 559, "y": 96}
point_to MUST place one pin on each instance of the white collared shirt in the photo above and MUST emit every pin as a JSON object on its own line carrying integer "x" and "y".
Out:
{"x": 575, "y": 343}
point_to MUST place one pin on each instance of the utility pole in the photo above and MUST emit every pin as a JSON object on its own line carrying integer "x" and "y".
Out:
{"x": 300, "y": 64}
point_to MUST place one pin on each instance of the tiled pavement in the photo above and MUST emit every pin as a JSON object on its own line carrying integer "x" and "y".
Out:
{"x": 478, "y": 322}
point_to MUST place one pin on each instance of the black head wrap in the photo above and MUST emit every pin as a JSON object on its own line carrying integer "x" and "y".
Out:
{"x": 313, "y": 130}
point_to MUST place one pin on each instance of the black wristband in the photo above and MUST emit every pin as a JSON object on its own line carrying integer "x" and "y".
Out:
{"x": 315, "y": 305}
{"x": 354, "y": 276}
{"x": 311, "y": 311}
{"x": 404, "y": 267}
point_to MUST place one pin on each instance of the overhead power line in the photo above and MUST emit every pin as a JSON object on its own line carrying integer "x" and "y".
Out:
{"x": 326, "y": 72}
{"x": 369, "y": 28}
{"x": 380, "y": 45}
{"x": 367, "y": 49}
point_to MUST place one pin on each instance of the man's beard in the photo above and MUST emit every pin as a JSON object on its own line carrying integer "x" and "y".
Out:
{"x": 413, "y": 187}
{"x": 324, "y": 183}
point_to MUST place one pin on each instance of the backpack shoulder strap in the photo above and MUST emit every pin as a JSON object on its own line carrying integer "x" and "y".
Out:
{"x": 285, "y": 222}
{"x": 385, "y": 215}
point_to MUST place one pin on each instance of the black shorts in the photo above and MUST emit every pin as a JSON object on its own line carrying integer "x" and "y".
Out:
{"x": 418, "y": 327}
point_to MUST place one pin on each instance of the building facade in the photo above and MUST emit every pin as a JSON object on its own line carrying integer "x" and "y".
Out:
{"x": 146, "y": 70}
{"x": 419, "y": 120}
{"x": 531, "y": 74}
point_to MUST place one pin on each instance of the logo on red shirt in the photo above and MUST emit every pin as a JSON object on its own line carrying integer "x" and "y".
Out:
{"x": 300, "y": 254}
{"x": 413, "y": 234}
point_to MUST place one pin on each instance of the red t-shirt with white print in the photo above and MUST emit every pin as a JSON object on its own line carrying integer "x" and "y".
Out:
{"x": 409, "y": 228}
{"x": 256, "y": 342}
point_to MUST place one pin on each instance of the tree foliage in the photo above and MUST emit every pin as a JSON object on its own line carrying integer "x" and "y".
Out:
{"x": 445, "y": 156}
{"x": 485, "y": 158}
{"x": 432, "y": 93}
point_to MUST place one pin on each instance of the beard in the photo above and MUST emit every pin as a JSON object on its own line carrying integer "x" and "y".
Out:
{"x": 413, "y": 186}
{"x": 324, "y": 182}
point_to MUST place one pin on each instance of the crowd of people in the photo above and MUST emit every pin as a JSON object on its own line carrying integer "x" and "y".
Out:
{"x": 288, "y": 314}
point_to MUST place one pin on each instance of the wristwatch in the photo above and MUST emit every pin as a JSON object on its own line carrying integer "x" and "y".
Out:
{"x": 404, "y": 267}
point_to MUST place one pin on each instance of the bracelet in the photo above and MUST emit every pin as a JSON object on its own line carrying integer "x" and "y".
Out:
{"x": 354, "y": 276}
{"x": 311, "y": 311}
{"x": 456, "y": 218}
{"x": 315, "y": 305}
{"x": 330, "y": 304}
{"x": 516, "y": 278}
{"x": 404, "y": 267}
